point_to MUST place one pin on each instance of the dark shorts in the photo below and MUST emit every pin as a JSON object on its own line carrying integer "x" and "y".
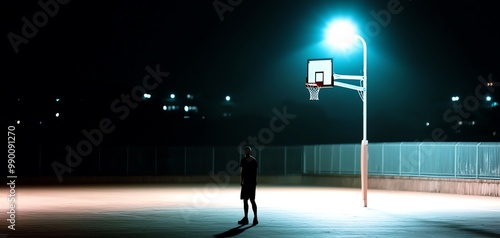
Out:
{"x": 248, "y": 191}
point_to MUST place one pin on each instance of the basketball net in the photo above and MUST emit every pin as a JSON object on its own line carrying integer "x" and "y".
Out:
{"x": 313, "y": 91}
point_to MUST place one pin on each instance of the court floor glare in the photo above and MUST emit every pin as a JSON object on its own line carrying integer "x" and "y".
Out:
{"x": 210, "y": 210}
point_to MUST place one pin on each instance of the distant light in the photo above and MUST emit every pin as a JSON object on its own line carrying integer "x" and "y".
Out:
{"x": 189, "y": 96}
{"x": 228, "y": 98}
{"x": 186, "y": 117}
{"x": 489, "y": 84}
{"x": 40, "y": 122}
{"x": 147, "y": 95}
{"x": 427, "y": 124}
{"x": 57, "y": 114}
{"x": 460, "y": 122}
{"x": 473, "y": 123}
{"x": 172, "y": 108}
{"x": 455, "y": 98}
{"x": 57, "y": 99}
{"x": 18, "y": 122}
{"x": 172, "y": 96}
{"x": 494, "y": 133}
{"x": 488, "y": 98}
{"x": 186, "y": 108}
{"x": 494, "y": 104}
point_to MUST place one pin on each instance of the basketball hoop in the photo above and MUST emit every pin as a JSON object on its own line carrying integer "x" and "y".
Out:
{"x": 313, "y": 90}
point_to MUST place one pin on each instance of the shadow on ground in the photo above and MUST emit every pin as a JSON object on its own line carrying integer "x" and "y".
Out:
{"x": 232, "y": 232}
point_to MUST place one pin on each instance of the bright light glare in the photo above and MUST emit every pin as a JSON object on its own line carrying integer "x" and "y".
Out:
{"x": 455, "y": 98}
{"x": 147, "y": 95}
{"x": 18, "y": 122}
{"x": 488, "y": 98}
{"x": 341, "y": 34}
{"x": 186, "y": 108}
{"x": 172, "y": 96}
{"x": 228, "y": 98}
{"x": 164, "y": 108}
{"x": 57, "y": 114}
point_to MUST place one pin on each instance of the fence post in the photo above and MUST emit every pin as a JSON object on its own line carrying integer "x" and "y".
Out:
{"x": 213, "y": 158}
{"x": 127, "y": 162}
{"x": 355, "y": 159}
{"x": 315, "y": 159}
{"x": 477, "y": 160}
{"x": 455, "y": 159}
{"x": 331, "y": 160}
{"x": 319, "y": 159}
{"x": 185, "y": 162}
{"x": 285, "y": 160}
{"x": 40, "y": 160}
{"x": 303, "y": 159}
{"x": 400, "y": 157}
{"x": 383, "y": 157}
{"x": 156, "y": 159}
{"x": 340, "y": 159}
{"x": 419, "y": 157}
{"x": 99, "y": 160}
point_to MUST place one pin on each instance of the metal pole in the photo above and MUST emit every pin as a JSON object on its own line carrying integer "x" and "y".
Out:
{"x": 364, "y": 142}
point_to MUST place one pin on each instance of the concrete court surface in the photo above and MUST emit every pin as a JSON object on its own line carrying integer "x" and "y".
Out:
{"x": 206, "y": 210}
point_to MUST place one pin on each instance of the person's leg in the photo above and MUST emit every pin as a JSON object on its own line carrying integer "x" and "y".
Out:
{"x": 244, "y": 220}
{"x": 245, "y": 207}
{"x": 254, "y": 207}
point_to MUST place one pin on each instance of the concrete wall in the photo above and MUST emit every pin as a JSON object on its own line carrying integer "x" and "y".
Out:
{"x": 438, "y": 185}
{"x": 433, "y": 185}
{"x": 479, "y": 187}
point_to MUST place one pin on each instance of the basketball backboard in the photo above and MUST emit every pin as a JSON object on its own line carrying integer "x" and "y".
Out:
{"x": 320, "y": 71}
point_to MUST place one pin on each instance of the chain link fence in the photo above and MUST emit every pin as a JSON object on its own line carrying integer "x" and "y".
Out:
{"x": 423, "y": 159}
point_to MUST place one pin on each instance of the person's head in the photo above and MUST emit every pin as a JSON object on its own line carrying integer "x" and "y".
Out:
{"x": 247, "y": 150}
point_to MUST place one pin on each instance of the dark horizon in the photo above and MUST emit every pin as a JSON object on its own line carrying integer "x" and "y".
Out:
{"x": 90, "y": 53}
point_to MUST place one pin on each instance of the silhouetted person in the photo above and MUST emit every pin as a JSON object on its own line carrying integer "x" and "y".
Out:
{"x": 248, "y": 180}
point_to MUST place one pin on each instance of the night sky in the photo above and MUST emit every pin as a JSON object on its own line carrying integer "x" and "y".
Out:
{"x": 89, "y": 53}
